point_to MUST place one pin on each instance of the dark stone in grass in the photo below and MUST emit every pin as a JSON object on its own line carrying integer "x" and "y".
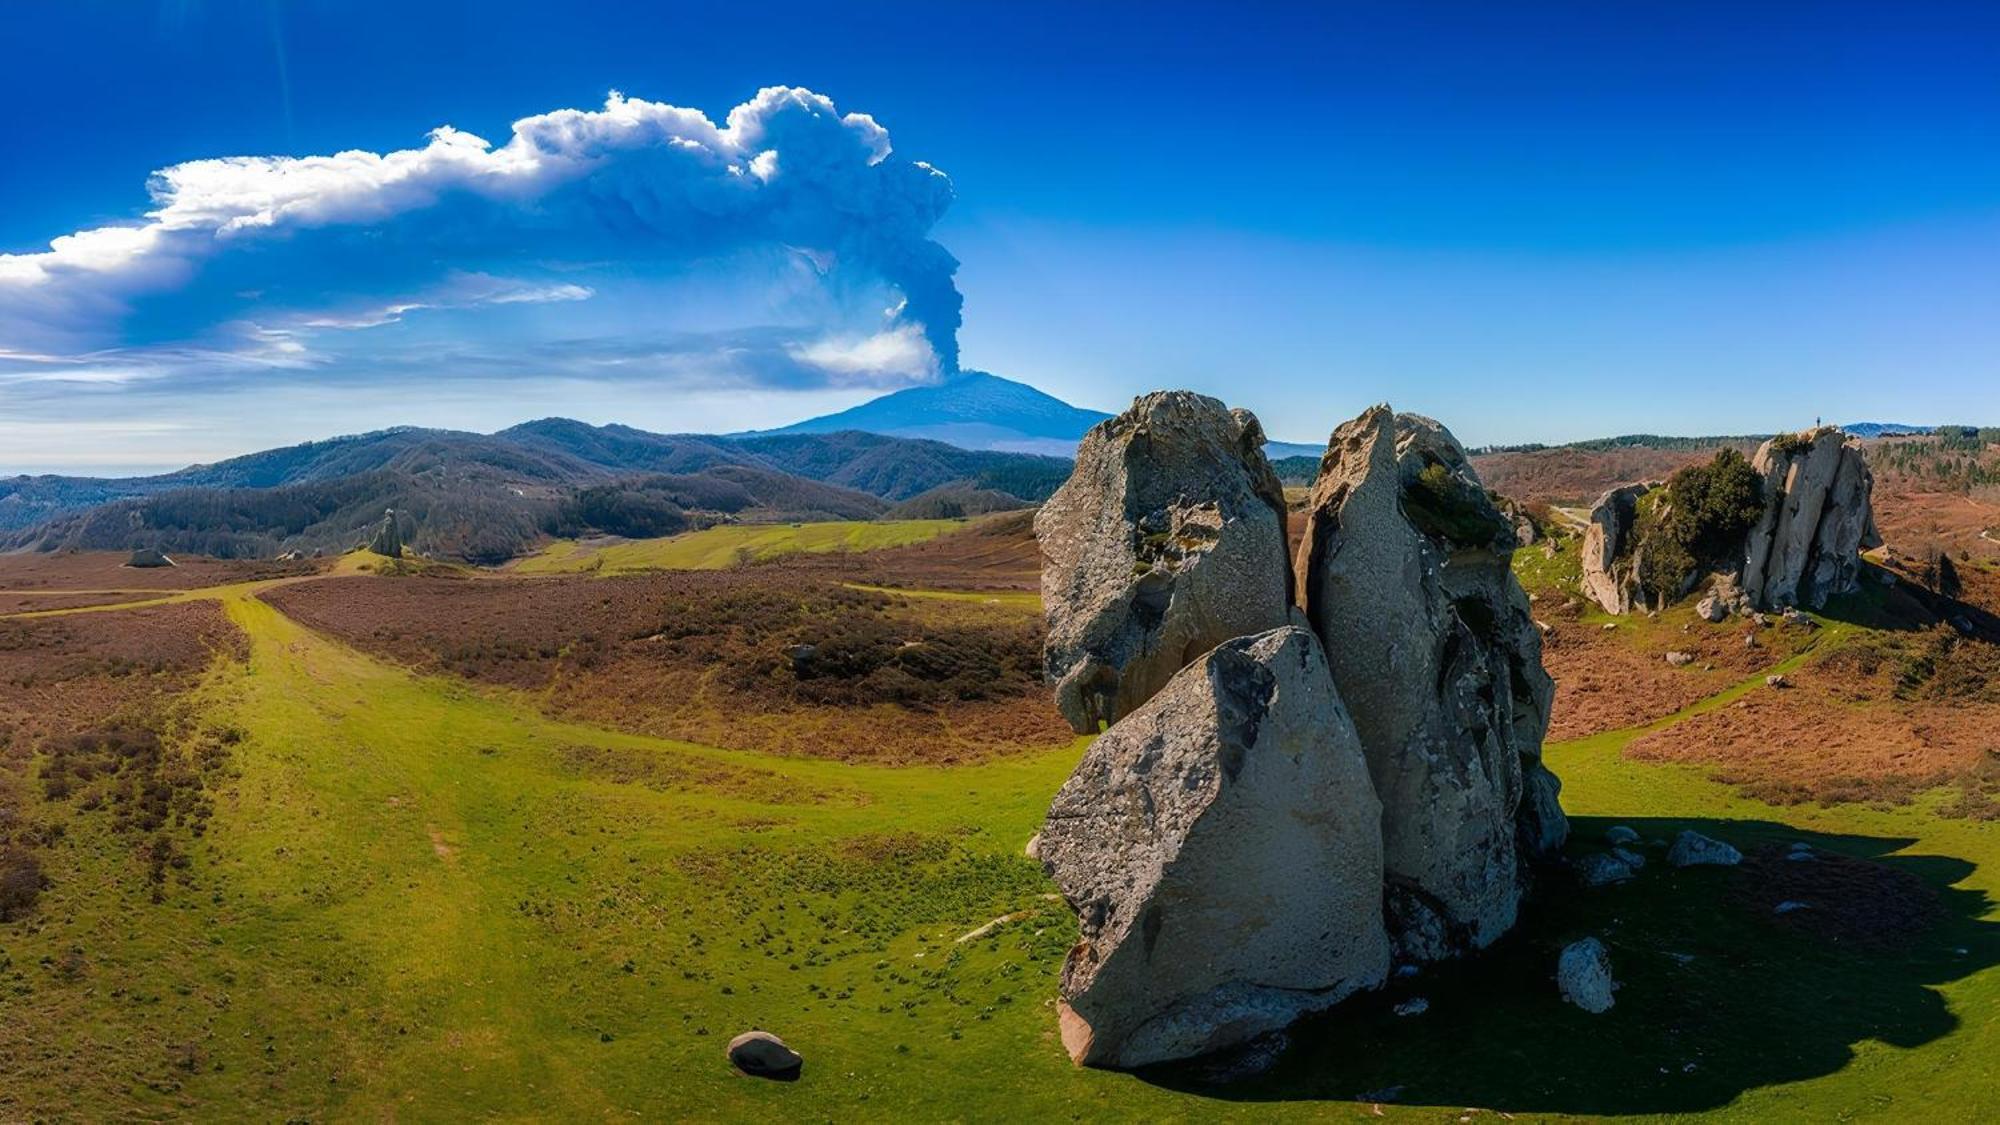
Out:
{"x": 761, "y": 1054}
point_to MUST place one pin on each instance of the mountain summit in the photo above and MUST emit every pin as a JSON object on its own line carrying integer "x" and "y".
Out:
{"x": 972, "y": 410}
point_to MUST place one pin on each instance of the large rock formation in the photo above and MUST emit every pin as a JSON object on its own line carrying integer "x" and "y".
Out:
{"x": 1405, "y": 576}
{"x": 1275, "y": 810}
{"x": 1168, "y": 539}
{"x": 1817, "y": 520}
{"x": 1610, "y": 556}
{"x": 388, "y": 539}
{"x": 1222, "y": 847}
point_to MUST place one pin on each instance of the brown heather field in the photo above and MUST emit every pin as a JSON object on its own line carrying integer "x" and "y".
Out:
{"x": 702, "y": 656}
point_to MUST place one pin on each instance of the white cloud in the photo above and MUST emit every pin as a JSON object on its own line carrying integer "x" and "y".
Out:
{"x": 360, "y": 238}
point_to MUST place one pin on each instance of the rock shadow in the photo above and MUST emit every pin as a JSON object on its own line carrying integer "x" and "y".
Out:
{"x": 1720, "y": 991}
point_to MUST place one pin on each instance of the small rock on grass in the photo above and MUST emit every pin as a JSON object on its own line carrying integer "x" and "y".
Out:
{"x": 1414, "y": 1006}
{"x": 1583, "y": 973}
{"x": 761, "y": 1054}
{"x": 1619, "y": 834}
{"x": 1692, "y": 849}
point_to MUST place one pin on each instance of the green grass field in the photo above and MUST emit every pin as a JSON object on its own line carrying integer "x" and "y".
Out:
{"x": 729, "y": 545}
{"x": 419, "y": 902}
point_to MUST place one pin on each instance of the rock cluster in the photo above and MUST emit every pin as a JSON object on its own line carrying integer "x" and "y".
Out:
{"x": 1287, "y": 796}
{"x": 1817, "y": 520}
{"x": 1804, "y": 547}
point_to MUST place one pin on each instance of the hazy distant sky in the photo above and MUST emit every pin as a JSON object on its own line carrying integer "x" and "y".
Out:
{"x": 1533, "y": 221}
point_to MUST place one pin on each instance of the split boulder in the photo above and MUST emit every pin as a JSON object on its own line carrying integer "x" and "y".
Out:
{"x": 1818, "y": 518}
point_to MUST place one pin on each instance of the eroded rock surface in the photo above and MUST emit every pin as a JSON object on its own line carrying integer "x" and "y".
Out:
{"x": 1818, "y": 518}
{"x": 388, "y": 538}
{"x": 1405, "y": 576}
{"x": 1168, "y": 539}
{"x": 1222, "y": 848}
{"x": 1610, "y": 555}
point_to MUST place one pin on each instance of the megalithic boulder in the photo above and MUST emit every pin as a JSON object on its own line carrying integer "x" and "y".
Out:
{"x": 1167, "y": 539}
{"x": 1222, "y": 848}
{"x": 1405, "y": 575}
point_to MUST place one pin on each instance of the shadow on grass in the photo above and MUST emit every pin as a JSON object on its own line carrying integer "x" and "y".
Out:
{"x": 1719, "y": 993}
{"x": 1905, "y": 605}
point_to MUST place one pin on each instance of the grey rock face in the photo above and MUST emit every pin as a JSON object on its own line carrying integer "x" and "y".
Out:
{"x": 388, "y": 538}
{"x": 1222, "y": 848}
{"x": 1692, "y": 849}
{"x": 1583, "y": 973}
{"x": 1168, "y": 539}
{"x": 1610, "y": 559}
{"x": 1405, "y": 575}
{"x": 1818, "y": 518}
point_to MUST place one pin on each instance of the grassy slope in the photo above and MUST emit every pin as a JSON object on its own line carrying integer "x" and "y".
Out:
{"x": 414, "y": 902}
{"x": 730, "y": 544}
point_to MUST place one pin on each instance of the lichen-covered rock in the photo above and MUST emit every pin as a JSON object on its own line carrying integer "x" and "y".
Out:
{"x": 1221, "y": 846}
{"x": 1610, "y": 556}
{"x": 1405, "y": 575}
{"x": 1167, "y": 539}
{"x": 1818, "y": 518}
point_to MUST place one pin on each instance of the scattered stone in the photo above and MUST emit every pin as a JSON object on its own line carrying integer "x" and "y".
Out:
{"x": 1629, "y": 858}
{"x": 1583, "y": 973}
{"x": 1405, "y": 972}
{"x": 1405, "y": 573}
{"x": 1034, "y": 848}
{"x": 1792, "y": 616}
{"x": 1789, "y": 905}
{"x": 764, "y": 1055}
{"x": 1750, "y": 641}
{"x": 1680, "y": 659}
{"x": 1711, "y": 609}
{"x": 802, "y": 657}
{"x": 1602, "y": 869}
{"x": 1692, "y": 849}
{"x": 1759, "y": 620}
{"x": 1167, "y": 539}
{"x": 1609, "y": 625}
{"x": 1620, "y": 834}
{"x": 1817, "y": 519}
{"x": 1187, "y": 841}
{"x": 1414, "y": 1006}
{"x": 1777, "y": 680}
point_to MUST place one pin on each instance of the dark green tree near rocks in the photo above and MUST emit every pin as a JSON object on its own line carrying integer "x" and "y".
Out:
{"x": 1697, "y": 522}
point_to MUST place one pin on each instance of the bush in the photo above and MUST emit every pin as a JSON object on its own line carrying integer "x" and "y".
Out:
{"x": 1698, "y": 521}
{"x": 21, "y": 881}
{"x": 1445, "y": 507}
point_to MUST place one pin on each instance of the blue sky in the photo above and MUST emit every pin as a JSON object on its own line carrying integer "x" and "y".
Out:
{"x": 1535, "y": 222}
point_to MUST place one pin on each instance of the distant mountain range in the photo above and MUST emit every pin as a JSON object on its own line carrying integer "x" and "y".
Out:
{"x": 488, "y": 497}
{"x": 1877, "y": 429}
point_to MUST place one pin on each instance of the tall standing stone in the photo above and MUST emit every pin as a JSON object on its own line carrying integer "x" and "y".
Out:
{"x": 1610, "y": 556}
{"x": 1221, "y": 846}
{"x": 1405, "y": 575}
{"x": 1168, "y": 539}
{"x": 388, "y": 538}
{"x": 1818, "y": 518}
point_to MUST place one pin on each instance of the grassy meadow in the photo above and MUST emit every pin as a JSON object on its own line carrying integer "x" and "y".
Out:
{"x": 727, "y": 545}
{"x": 414, "y": 900}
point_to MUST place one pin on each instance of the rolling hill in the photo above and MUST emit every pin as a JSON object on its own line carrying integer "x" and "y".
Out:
{"x": 488, "y": 497}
